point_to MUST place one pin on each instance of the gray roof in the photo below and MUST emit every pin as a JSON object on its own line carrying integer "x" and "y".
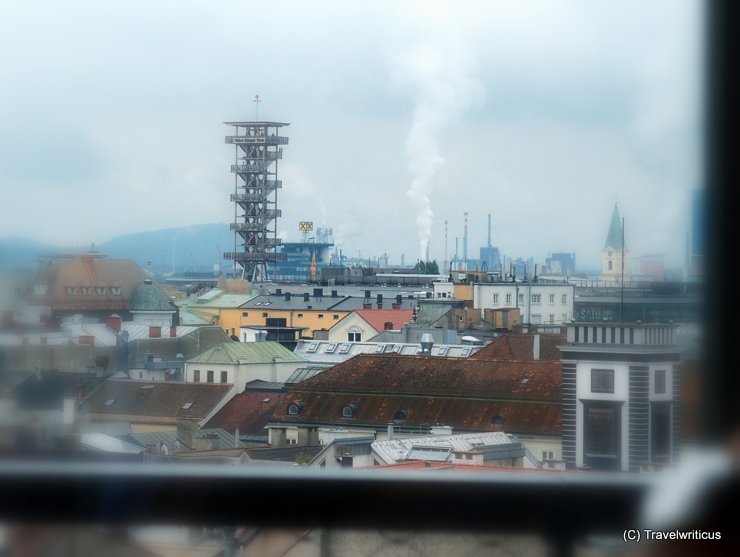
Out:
{"x": 329, "y": 352}
{"x": 296, "y": 302}
{"x": 438, "y": 447}
{"x": 303, "y": 373}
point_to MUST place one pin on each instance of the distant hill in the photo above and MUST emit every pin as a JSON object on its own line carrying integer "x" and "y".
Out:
{"x": 187, "y": 248}
{"x": 22, "y": 252}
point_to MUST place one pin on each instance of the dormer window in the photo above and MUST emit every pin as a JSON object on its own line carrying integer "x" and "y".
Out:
{"x": 294, "y": 408}
{"x": 86, "y": 291}
{"x": 100, "y": 290}
{"x": 71, "y": 290}
{"x": 400, "y": 415}
{"x": 498, "y": 419}
{"x": 115, "y": 290}
{"x": 348, "y": 410}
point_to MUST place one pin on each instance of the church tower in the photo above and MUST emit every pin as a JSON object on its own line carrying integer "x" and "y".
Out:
{"x": 611, "y": 255}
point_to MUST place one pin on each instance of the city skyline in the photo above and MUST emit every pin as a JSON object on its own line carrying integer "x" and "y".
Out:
{"x": 401, "y": 117}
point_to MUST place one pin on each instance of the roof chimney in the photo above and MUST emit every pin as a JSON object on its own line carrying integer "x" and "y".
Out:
{"x": 334, "y": 293}
{"x": 380, "y": 301}
{"x": 305, "y": 296}
{"x": 367, "y": 305}
{"x": 396, "y": 305}
{"x": 287, "y": 296}
{"x": 388, "y": 326}
{"x": 427, "y": 341}
{"x": 173, "y": 331}
{"x": 114, "y": 322}
{"x": 155, "y": 331}
{"x": 279, "y": 291}
{"x": 367, "y": 294}
{"x": 399, "y": 299}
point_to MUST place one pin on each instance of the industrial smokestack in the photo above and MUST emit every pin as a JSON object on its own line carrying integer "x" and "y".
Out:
{"x": 489, "y": 230}
{"x": 427, "y": 341}
{"x": 465, "y": 241}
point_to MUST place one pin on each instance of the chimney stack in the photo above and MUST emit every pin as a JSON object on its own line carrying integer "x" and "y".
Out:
{"x": 173, "y": 331}
{"x": 399, "y": 299}
{"x": 155, "y": 331}
{"x": 380, "y": 301}
{"x": 305, "y": 296}
{"x": 114, "y": 322}
{"x": 287, "y": 296}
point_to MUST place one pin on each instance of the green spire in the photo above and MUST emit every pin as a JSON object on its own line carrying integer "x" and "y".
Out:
{"x": 614, "y": 238}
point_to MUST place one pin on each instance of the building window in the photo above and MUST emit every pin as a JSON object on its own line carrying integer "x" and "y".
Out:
{"x": 321, "y": 315}
{"x": 294, "y": 409}
{"x": 602, "y": 380}
{"x": 610, "y": 265}
{"x": 521, "y": 298}
{"x": 400, "y": 415}
{"x": 601, "y": 436}
{"x": 224, "y": 377}
{"x": 115, "y": 290}
{"x": 71, "y": 290}
{"x": 335, "y": 316}
{"x": 536, "y": 298}
{"x": 659, "y": 381}
{"x": 564, "y": 299}
{"x": 348, "y": 410}
{"x": 100, "y": 290}
{"x": 536, "y": 318}
{"x": 508, "y": 298}
{"x": 552, "y": 298}
{"x": 209, "y": 376}
{"x": 196, "y": 376}
{"x": 245, "y": 314}
{"x": 547, "y": 455}
{"x": 300, "y": 315}
{"x": 354, "y": 337}
{"x": 660, "y": 431}
{"x": 495, "y": 299}
{"x": 564, "y": 317}
{"x": 264, "y": 314}
{"x": 86, "y": 291}
{"x": 552, "y": 318}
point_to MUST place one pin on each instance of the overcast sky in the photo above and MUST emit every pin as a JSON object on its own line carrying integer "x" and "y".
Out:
{"x": 403, "y": 115}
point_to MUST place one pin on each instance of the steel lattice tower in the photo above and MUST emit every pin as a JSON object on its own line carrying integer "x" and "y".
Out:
{"x": 257, "y": 150}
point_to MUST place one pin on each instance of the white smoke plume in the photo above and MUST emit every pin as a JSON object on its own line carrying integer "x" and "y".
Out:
{"x": 441, "y": 75}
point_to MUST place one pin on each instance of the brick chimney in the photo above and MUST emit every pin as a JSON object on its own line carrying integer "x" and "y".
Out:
{"x": 396, "y": 305}
{"x": 367, "y": 305}
{"x": 173, "y": 331}
{"x": 155, "y": 331}
{"x": 388, "y": 326}
{"x": 114, "y": 322}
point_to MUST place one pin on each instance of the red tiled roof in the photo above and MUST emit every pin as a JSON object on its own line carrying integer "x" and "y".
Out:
{"x": 469, "y": 395}
{"x": 92, "y": 272}
{"x": 249, "y": 411}
{"x": 521, "y": 347}
{"x": 377, "y": 318}
{"x": 392, "y": 373}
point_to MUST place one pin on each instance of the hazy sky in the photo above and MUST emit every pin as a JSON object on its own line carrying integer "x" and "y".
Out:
{"x": 403, "y": 115}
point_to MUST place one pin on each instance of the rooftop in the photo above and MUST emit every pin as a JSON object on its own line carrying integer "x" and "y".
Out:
{"x": 247, "y": 353}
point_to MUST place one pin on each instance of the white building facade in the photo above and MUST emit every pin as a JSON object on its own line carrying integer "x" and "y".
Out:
{"x": 539, "y": 303}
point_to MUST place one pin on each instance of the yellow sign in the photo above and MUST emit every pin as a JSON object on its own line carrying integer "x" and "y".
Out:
{"x": 305, "y": 226}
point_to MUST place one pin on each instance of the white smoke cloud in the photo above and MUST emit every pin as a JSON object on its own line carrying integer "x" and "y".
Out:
{"x": 441, "y": 75}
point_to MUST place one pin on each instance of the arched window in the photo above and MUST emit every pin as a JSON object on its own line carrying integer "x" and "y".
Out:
{"x": 610, "y": 264}
{"x": 294, "y": 408}
{"x": 498, "y": 419}
{"x": 348, "y": 410}
{"x": 400, "y": 415}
